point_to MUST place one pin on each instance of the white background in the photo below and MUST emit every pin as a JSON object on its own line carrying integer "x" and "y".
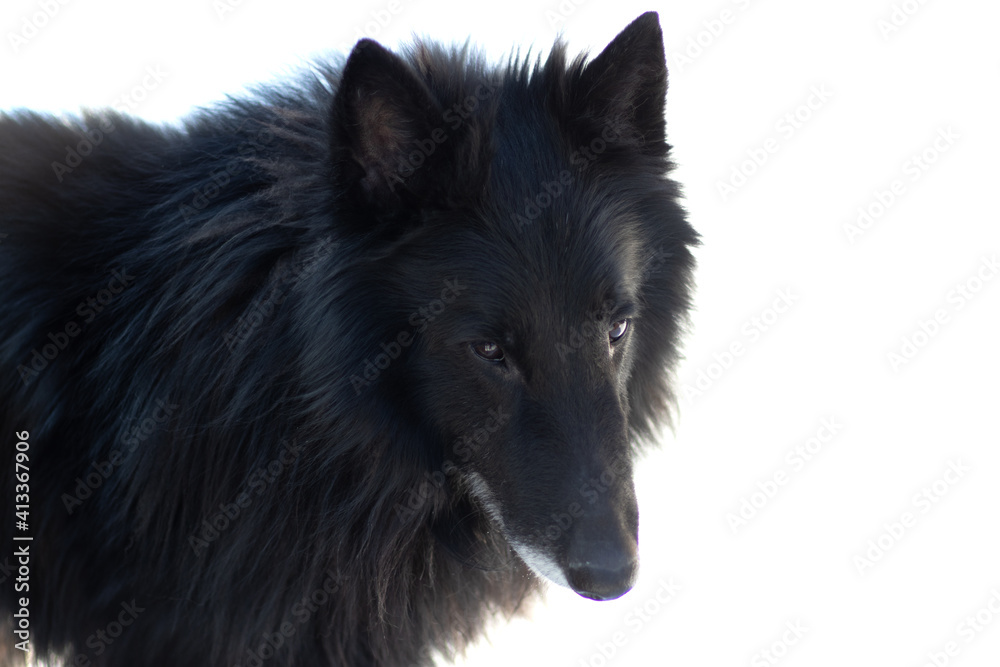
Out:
{"x": 888, "y": 93}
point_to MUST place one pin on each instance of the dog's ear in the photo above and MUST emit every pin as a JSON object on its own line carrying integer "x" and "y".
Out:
{"x": 625, "y": 86}
{"x": 384, "y": 125}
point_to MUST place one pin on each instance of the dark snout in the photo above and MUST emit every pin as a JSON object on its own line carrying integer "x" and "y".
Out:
{"x": 602, "y": 558}
{"x": 584, "y": 532}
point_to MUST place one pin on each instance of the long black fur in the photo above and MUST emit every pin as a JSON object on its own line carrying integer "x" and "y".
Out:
{"x": 249, "y": 266}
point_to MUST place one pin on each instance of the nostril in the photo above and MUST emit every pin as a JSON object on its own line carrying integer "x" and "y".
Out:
{"x": 607, "y": 575}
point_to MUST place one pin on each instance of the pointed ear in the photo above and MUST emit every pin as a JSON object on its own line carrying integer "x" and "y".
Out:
{"x": 385, "y": 122}
{"x": 626, "y": 85}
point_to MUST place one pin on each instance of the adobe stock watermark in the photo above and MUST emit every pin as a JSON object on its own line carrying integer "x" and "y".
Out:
{"x": 635, "y": 620}
{"x": 701, "y": 41}
{"x": 923, "y": 501}
{"x": 455, "y": 116}
{"x": 966, "y": 631}
{"x": 90, "y": 138}
{"x": 590, "y": 491}
{"x": 218, "y": 180}
{"x": 103, "y": 638}
{"x": 57, "y": 341}
{"x": 547, "y": 194}
{"x": 751, "y": 331}
{"x": 263, "y": 307}
{"x": 223, "y": 8}
{"x": 779, "y": 648}
{"x": 464, "y": 447}
{"x": 152, "y": 77}
{"x": 34, "y": 23}
{"x": 899, "y": 15}
{"x": 580, "y": 159}
{"x": 300, "y": 614}
{"x": 912, "y": 170}
{"x": 957, "y": 298}
{"x": 796, "y": 458}
{"x": 99, "y": 472}
{"x": 594, "y": 325}
{"x": 255, "y": 485}
{"x": 786, "y": 127}
{"x": 556, "y": 16}
{"x": 595, "y": 322}
{"x": 418, "y": 320}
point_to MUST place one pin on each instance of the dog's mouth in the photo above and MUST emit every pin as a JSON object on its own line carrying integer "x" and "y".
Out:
{"x": 599, "y": 561}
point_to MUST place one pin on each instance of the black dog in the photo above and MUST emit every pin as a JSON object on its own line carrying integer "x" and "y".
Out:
{"x": 328, "y": 376}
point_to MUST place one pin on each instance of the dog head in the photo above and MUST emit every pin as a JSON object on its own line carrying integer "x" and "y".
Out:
{"x": 531, "y": 242}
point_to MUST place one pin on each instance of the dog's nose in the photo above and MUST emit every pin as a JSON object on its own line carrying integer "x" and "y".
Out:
{"x": 602, "y": 570}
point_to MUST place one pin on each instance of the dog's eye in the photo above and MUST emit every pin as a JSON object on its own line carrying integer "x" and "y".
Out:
{"x": 618, "y": 330}
{"x": 488, "y": 350}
